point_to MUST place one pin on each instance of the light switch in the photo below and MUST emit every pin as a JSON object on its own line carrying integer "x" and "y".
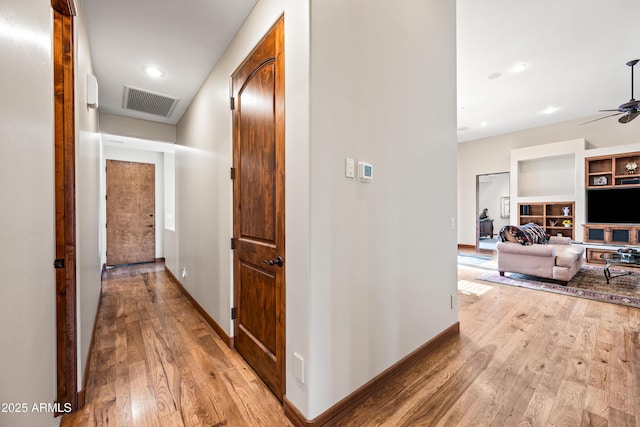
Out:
{"x": 349, "y": 168}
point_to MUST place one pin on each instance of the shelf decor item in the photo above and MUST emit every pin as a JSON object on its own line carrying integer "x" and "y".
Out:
{"x": 565, "y": 210}
{"x": 553, "y": 222}
{"x": 505, "y": 207}
{"x": 600, "y": 180}
{"x": 567, "y": 223}
{"x": 631, "y": 167}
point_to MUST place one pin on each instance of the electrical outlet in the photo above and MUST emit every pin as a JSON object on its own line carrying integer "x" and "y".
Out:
{"x": 184, "y": 272}
{"x": 298, "y": 367}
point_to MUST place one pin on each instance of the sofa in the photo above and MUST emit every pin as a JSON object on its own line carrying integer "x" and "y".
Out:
{"x": 545, "y": 256}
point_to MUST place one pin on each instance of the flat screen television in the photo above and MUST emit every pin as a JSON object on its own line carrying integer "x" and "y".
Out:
{"x": 613, "y": 205}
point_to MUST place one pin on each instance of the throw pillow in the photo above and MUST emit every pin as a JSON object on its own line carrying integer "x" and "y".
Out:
{"x": 528, "y": 234}
{"x": 512, "y": 233}
{"x": 535, "y": 233}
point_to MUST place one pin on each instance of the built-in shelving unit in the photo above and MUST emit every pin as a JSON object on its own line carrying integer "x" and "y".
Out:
{"x": 550, "y": 216}
{"x": 605, "y": 173}
{"x": 613, "y": 171}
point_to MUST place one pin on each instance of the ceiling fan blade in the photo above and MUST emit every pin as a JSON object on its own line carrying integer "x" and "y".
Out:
{"x": 603, "y": 111}
{"x": 628, "y": 117}
{"x": 605, "y": 117}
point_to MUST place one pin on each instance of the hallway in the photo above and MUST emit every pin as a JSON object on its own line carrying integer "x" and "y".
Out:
{"x": 156, "y": 362}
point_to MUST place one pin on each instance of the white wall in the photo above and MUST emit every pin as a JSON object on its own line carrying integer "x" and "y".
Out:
{"x": 383, "y": 265}
{"x": 170, "y": 245}
{"x": 88, "y": 264}
{"x": 27, "y": 240}
{"x": 370, "y": 268}
{"x": 491, "y": 155}
{"x": 137, "y": 128}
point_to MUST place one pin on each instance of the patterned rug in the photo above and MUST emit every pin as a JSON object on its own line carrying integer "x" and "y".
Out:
{"x": 588, "y": 283}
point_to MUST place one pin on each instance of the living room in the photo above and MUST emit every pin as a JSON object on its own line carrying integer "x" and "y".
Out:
{"x": 539, "y": 89}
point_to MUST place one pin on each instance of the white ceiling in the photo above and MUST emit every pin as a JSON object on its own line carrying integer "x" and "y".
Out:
{"x": 182, "y": 39}
{"x": 576, "y": 51}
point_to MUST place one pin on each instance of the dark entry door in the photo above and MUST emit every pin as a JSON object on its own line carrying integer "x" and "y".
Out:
{"x": 258, "y": 158}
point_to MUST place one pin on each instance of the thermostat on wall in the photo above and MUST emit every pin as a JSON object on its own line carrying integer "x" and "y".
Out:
{"x": 365, "y": 171}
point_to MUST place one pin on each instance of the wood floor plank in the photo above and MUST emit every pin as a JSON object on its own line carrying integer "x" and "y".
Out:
{"x": 597, "y": 402}
{"x": 143, "y": 404}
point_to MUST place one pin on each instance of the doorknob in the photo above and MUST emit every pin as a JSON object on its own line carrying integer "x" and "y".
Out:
{"x": 278, "y": 261}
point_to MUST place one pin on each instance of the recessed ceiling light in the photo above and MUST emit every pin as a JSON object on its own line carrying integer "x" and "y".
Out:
{"x": 550, "y": 110}
{"x": 153, "y": 72}
{"x": 484, "y": 124}
{"x": 519, "y": 67}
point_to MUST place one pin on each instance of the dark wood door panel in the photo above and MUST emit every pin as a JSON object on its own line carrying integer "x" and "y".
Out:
{"x": 257, "y": 316}
{"x": 257, "y": 155}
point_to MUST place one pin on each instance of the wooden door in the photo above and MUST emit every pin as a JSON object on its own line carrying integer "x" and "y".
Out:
{"x": 131, "y": 235}
{"x": 258, "y": 191}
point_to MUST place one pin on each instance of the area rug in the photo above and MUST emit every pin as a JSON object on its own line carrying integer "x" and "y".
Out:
{"x": 485, "y": 262}
{"x": 588, "y": 283}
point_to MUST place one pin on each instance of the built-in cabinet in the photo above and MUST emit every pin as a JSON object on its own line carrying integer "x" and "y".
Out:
{"x": 557, "y": 218}
{"x": 605, "y": 173}
{"x": 620, "y": 170}
{"x": 609, "y": 234}
{"x": 612, "y": 234}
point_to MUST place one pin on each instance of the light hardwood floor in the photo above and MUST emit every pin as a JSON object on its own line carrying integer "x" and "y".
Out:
{"x": 156, "y": 362}
{"x": 523, "y": 358}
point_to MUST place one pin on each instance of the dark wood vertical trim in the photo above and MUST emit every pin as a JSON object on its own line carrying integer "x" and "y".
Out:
{"x": 64, "y": 7}
{"x": 64, "y": 149}
{"x": 333, "y": 415}
{"x": 281, "y": 335}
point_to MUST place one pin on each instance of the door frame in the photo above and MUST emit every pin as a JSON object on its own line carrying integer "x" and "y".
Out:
{"x": 65, "y": 202}
{"x": 477, "y": 227}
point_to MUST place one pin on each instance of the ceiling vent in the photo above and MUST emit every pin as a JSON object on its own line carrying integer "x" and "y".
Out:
{"x": 148, "y": 102}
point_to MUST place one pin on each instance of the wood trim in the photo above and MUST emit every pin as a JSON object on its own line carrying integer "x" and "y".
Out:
{"x": 332, "y": 415}
{"x": 64, "y": 7}
{"x": 65, "y": 209}
{"x": 82, "y": 397}
{"x": 210, "y": 320}
{"x": 462, "y": 246}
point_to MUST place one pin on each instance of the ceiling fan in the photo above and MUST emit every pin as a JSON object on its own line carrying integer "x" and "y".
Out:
{"x": 631, "y": 109}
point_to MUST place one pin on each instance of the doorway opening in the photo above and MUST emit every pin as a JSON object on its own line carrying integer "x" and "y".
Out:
{"x": 161, "y": 156}
{"x": 492, "y": 208}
